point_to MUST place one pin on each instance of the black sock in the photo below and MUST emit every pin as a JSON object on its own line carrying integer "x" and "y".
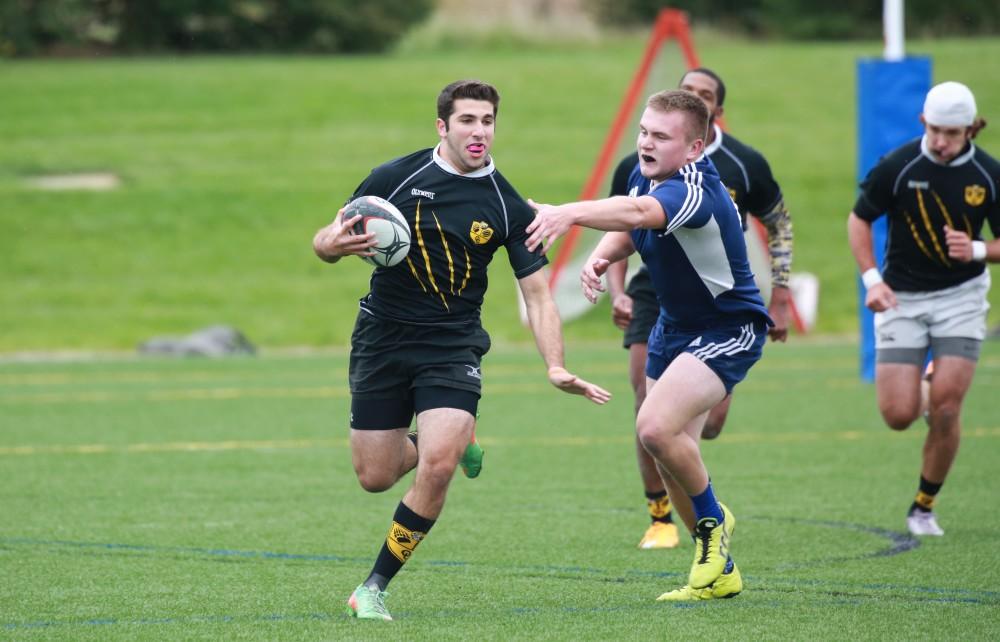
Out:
{"x": 926, "y": 493}
{"x": 408, "y": 529}
{"x": 659, "y": 507}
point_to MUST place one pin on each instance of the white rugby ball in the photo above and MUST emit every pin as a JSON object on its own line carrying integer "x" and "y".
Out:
{"x": 392, "y": 233}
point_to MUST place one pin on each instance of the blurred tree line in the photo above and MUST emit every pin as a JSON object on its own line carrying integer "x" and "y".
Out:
{"x": 811, "y": 20}
{"x": 30, "y": 27}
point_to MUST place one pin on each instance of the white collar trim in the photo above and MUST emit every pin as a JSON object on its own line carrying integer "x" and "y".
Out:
{"x": 961, "y": 159}
{"x": 717, "y": 143}
{"x": 448, "y": 167}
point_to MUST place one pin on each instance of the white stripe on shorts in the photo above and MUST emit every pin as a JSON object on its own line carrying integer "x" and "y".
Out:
{"x": 730, "y": 347}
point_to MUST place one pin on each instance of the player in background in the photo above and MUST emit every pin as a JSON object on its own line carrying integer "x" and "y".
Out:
{"x": 418, "y": 341}
{"x": 746, "y": 174}
{"x": 937, "y": 192}
{"x": 712, "y": 323}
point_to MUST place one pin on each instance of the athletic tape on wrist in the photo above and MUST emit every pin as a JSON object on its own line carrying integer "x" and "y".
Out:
{"x": 871, "y": 277}
{"x": 978, "y": 251}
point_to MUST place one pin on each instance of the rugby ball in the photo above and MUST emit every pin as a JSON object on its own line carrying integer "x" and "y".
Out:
{"x": 392, "y": 233}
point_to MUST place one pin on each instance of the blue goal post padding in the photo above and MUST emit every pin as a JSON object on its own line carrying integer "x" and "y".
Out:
{"x": 890, "y": 101}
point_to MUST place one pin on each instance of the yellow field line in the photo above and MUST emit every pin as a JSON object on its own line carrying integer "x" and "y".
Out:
{"x": 578, "y": 442}
{"x": 176, "y": 446}
{"x": 216, "y": 394}
{"x": 986, "y": 364}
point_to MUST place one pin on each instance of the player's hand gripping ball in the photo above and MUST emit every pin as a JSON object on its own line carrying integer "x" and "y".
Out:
{"x": 392, "y": 233}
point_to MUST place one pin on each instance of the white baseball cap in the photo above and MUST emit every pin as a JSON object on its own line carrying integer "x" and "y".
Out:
{"x": 950, "y": 104}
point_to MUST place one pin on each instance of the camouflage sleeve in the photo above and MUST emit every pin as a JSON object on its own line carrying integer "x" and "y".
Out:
{"x": 778, "y": 223}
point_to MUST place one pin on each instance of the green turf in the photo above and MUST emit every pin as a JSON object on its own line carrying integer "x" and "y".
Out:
{"x": 230, "y": 164}
{"x": 157, "y": 499}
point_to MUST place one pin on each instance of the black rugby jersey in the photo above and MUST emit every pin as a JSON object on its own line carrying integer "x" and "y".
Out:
{"x": 457, "y": 223}
{"x": 921, "y": 196}
{"x": 743, "y": 170}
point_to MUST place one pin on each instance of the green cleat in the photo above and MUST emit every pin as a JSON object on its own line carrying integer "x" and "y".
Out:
{"x": 727, "y": 585}
{"x": 472, "y": 460}
{"x": 368, "y": 603}
{"x": 711, "y": 548}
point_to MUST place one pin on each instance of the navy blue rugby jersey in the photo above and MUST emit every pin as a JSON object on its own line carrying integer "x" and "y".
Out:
{"x": 698, "y": 263}
{"x": 457, "y": 223}
{"x": 920, "y": 196}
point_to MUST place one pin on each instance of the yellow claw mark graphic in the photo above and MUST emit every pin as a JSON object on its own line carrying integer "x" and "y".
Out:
{"x": 447, "y": 252}
{"x": 916, "y": 236}
{"x": 930, "y": 230}
{"x": 413, "y": 270}
{"x": 468, "y": 271}
{"x": 944, "y": 210}
{"x": 427, "y": 259}
{"x": 968, "y": 225}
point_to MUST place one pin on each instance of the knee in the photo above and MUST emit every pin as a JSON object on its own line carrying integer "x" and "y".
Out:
{"x": 375, "y": 481}
{"x": 944, "y": 416}
{"x": 648, "y": 434}
{"x": 436, "y": 469}
{"x": 711, "y": 429}
{"x": 898, "y": 420}
{"x": 899, "y": 415}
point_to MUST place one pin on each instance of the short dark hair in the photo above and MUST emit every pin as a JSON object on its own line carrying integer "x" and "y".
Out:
{"x": 683, "y": 101}
{"x": 473, "y": 89}
{"x": 720, "y": 87}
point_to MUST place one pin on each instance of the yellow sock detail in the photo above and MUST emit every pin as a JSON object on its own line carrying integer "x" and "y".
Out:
{"x": 658, "y": 508}
{"x": 924, "y": 500}
{"x": 401, "y": 541}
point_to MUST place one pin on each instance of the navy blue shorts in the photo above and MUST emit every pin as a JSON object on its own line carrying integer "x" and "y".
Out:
{"x": 730, "y": 351}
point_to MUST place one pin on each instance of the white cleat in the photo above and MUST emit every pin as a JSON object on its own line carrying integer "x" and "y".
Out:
{"x": 923, "y": 523}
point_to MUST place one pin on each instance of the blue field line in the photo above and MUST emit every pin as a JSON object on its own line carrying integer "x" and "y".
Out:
{"x": 145, "y": 548}
{"x": 832, "y": 597}
{"x": 263, "y": 555}
{"x": 155, "y": 621}
{"x": 762, "y": 581}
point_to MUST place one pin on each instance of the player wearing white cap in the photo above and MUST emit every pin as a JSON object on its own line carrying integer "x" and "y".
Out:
{"x": 937, "y": 192}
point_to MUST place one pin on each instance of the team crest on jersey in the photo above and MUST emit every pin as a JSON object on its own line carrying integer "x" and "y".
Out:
{"x": 481, "y": 232}
{"x": 732, "y": 193}
{"x": 975, "y": 195}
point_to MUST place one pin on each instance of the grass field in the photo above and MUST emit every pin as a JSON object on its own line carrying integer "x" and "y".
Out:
{"x": 158, "y": 499}
{"x": 230, "y": 164}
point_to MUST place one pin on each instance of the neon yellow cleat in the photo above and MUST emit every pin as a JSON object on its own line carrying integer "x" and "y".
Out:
{"x": 368, "y": 603}
{"x": 711, "y": 548}
{"x": 660, "y": 535}
{"x": 728, "y": 585}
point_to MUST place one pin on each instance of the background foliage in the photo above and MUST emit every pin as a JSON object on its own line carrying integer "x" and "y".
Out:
{"x": 32, "y": 27}
{"x": 807, "y": 19}
{"x": 37, "y": 26}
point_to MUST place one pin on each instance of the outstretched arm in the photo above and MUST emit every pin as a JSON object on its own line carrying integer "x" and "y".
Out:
{"x": 879, "y": 296}
{"x": 543, "y": 317}
{"x": 337, "y": 239}
{"x": 616, "y": 213}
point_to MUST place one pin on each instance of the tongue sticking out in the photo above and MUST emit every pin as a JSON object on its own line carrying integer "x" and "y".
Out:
{"x": 476, "y": 148}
